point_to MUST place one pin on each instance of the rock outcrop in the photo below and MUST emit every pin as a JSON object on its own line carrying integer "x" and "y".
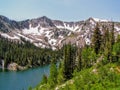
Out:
{"x": 15, "y": 67}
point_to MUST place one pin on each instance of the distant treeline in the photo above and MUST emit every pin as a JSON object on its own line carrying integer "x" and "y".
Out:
{"x": 25, "y": 53}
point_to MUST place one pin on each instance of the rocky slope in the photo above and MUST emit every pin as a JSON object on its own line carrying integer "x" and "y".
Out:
{"x": 46, "y": 33}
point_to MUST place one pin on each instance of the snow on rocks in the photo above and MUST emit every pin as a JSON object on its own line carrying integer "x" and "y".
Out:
{"x": 117, "y": 28}
{"x": 8, "y": 36}
{"x": 100, "y": 20}
{"x": 34, "y": 30}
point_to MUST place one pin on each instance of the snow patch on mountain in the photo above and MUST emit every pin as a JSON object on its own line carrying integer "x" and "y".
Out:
{"x": 10, "y": 37}
{"x": 40, "y": 45}
{"x": 60, "y": 27}
{"x": 117, "y": 28}
{"x": 52, "y": 41}
{"x": 92, "y": 22}
{"x": 100, "y": 20}
{"x": 31, "y": 30}
{"x": 34, "y": 30}
{"x": 48, "y": 34}
{"x": 25, "y": 37}
{"x": 60, "y": 36}
{"x": 67, "y": 26}
{"x": 88, "y": 41}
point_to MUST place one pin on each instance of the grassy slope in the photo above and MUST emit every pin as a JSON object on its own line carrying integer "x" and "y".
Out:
{"x": 102, "y": 77}
{"x": 105, "y": 77}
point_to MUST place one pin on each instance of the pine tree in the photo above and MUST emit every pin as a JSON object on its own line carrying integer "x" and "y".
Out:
{"x": 79, "y": 59}
{"x": 67, "y": 65}
{"x": 112, "y": 35}
{"x": 96, "y": 40}
{"x": 109, "y": 40}
{"x": 52, "y": 80}
{"x": 105, "y": 38}
{"x": 116, "y": 50}
{"x": 106, "y": 43}
{"x": 85, "y": 54}
{"x": 60, "y": 78}
{"x": 118, "y": 39}
{"x": 112, "y": 41}
{"x": 69, "y": 62}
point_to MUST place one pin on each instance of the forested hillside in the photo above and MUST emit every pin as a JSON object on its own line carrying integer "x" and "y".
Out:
{"x": 24, "y": 53}
{"x": 93, "y": 67}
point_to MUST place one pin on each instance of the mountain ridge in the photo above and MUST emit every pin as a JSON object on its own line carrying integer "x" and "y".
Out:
{"x": 47, "y": 33}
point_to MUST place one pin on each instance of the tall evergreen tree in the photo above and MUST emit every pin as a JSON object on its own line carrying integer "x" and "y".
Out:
{"x": 112, "y": 41}
{"x": 96, "y": 40}
{"x": 52, "y": 80}
{"x": 116, "y": 50}
{"x": 105, "y": 38}
{"x": 109, "y": 40}
{"x": 69, "y": 62}
{"x": 112, "y": 35}
{"x": 79, "y": 59}
{"x": 106, "y": 43}
{"x": 60, "y": 77}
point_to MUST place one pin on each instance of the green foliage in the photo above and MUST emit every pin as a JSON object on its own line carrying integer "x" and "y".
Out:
{"x": 88, "y": 57}
{"x": 104, "y": 79}
{"x": 78, "y": 62}
{"x": 52, "y": 80}
{"x": 60, "y": 77}
{"x": 108, "y": 42}
{"x": 116, "y": 51}
{"x": 44, "y": 80}
{"x": 96, "y": 40}
{"x": 93, "y": 67}
{"x": 30, "y": 88}
{"x": 25, "y": 53}
{"x": 69, "y": 60}
{"x": 112, "y": 39}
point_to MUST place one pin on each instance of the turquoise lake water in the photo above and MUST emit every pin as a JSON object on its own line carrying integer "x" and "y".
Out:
{"x": 21, "y": 80}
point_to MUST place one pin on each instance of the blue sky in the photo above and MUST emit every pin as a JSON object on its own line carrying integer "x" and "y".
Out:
{"x": 67, "y": 10}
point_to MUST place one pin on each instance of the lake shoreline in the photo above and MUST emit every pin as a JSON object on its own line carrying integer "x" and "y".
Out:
{"x": 21, "y": 68}
{"x": 22, "y": 79}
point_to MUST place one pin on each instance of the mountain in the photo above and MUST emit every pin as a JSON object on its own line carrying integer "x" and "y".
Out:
{"x": 47, "y": 33}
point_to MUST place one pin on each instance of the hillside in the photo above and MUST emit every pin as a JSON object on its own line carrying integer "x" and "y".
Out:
{"x": 104, "y": 78}
{"x": 91, "y": 67}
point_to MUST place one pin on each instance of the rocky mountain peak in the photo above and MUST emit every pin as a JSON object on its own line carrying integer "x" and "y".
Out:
{"x": 46, "y": 33}
{"x": 42, "y": 21}
{"x": 3, "y": 18}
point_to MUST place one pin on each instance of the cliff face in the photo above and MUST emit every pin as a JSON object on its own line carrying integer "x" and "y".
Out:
{"x": 46, "y": 33}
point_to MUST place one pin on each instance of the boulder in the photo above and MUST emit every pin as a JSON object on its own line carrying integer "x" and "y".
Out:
{"x": 15, "y": 67}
